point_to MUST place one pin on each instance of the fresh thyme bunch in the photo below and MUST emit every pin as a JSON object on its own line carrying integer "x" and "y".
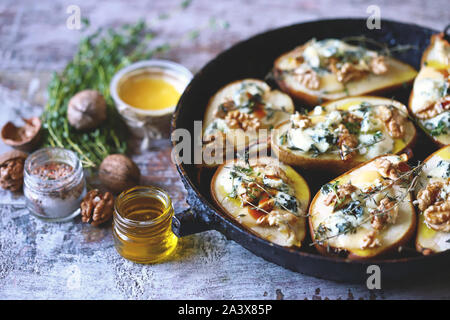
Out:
{"x": 98, "y": 58}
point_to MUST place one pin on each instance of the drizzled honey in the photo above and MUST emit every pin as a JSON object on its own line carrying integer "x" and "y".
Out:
{"x": 142, "y": 225}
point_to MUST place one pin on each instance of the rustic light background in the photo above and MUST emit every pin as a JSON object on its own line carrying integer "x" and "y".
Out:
{"x": 73, "y": 261}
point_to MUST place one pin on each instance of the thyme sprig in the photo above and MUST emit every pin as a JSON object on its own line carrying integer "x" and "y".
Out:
{"x": 383, "y": 48}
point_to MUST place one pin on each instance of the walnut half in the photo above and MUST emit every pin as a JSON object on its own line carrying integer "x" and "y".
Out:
{"x": 394, "y": 121}
{"x": 97, "y": 207}
{"x": 11, "y": 170}
{"x": 437, "y": 216}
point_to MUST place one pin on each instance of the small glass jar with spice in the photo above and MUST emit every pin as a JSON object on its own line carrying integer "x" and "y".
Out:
{"x": 142, "y": 222}
{"x": 54, "y": 184}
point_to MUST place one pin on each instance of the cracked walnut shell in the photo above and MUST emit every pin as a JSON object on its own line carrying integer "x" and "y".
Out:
{"x": 97, "y": 207}
{"x": 11, "y": 170}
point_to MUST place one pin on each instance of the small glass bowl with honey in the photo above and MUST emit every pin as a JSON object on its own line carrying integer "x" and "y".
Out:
{"x": 146, "y": 94}
{"x": 142, "y": 225}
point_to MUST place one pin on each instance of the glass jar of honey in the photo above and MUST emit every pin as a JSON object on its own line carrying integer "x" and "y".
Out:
{"x": 142, "y": 225}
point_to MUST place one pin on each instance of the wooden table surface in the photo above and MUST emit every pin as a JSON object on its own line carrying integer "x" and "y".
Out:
{"x": 71, "y": 260}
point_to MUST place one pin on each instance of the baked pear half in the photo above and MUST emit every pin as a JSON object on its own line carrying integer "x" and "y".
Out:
{"x": 332, "y": 69}
{"x": 429, "y": 102}
{"x": 265, "y": 196}
{"x": 339, "y": 135}
{"x": 365, "y": 212}
{"x": 236, "y": 114}
{"x": 433, "y": 203}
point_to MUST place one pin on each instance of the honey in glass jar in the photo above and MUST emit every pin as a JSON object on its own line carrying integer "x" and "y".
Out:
{"x": 142, "y": 225}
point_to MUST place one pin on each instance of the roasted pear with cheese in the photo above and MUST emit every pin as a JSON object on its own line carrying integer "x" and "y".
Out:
{"x": 365, "y": 212}
{"x": 433, "y": 203}
{"x": 268, "y": 198}
{"x": 339, "y": 135}
{"x": 236, "y": 114}
{"x": 332, "y": 69}
{"x": 429, "y": 102}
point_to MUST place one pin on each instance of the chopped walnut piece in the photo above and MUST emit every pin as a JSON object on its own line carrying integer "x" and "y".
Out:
{"x": 437, "y": 216}
{"x": 251, "y": 194}
{"x": 309, "y": 78}
{"x": 223, "y": 109}
{"x": 371, "y": 241}
{"x": 332, "y": 65}
{"x": 386, "y": 168}
{"x": 428, "y": 195}
{"x": 386, "y": 212}
{"x": 275, "y": 172}
{"x": 394, "y": 121}
{"x": 267, "y": 205}
{"x": 343, "y": 192}
{"x": 346, "y": 142}
{"x": 239, "y": 120}
{"x": 97, "y": 207}
{"x": 378, "y": 65}
{"x": 351, "y": 118}
{"x": 300, "y": 120}
{"x": 277, "y": 218}
{"x": 349, "y": 72}
{"x": 435, "y": 109}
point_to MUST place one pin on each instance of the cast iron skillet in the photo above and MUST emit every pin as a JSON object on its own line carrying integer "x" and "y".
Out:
{"x": 254, "y": 58}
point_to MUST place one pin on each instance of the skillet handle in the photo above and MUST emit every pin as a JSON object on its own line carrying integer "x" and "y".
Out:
{"x": 186, "y": 223}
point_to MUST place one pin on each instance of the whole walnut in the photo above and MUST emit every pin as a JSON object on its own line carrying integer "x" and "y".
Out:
{"x": 11, "y": 170}
{"x": 118, "y": 173}
{"x": 86, "y": 110}
{"x": 97, "y": 207}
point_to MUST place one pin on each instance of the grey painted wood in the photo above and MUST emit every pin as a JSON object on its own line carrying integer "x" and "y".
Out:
{"x": 71, "y": 260}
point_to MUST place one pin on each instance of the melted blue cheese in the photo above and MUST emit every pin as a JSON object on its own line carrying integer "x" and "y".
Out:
{"x": 323, "y": 136}
{"x": 242, "y": 97}
{"x": 317, "y": 53}
{"x": 373, "y": 149}
{"x": 284, "y": 197}
{"x": 427, "y": 91}
{"x": 442, "y": 170}
{"x": 442, "y": 119}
